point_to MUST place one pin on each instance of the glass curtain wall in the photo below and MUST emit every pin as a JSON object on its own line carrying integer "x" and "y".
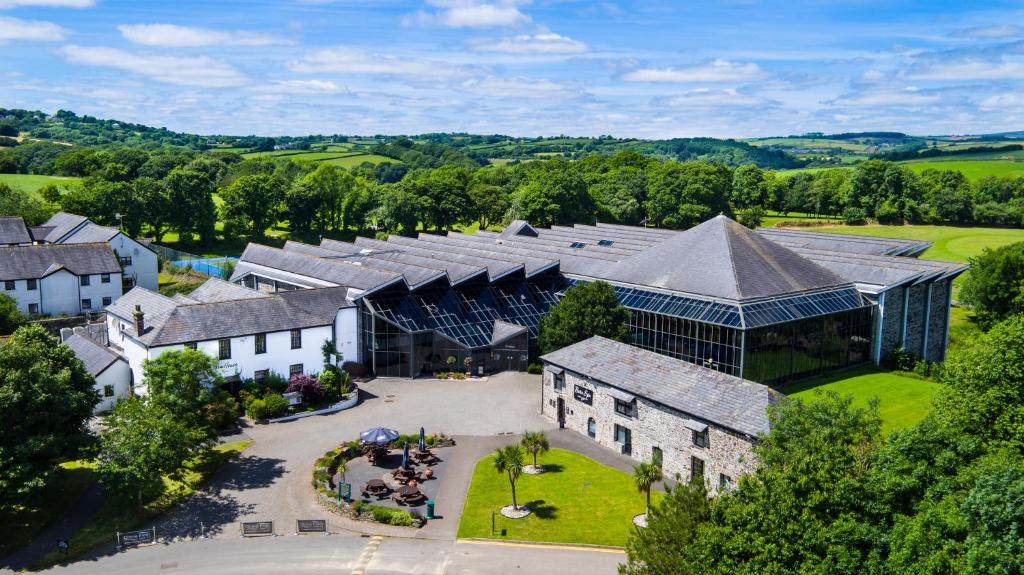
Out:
{"x": 714, "y": 346}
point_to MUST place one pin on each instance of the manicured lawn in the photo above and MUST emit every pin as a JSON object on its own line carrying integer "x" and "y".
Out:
{"x": 119, "y": 514}
{"x": 578, "y": 500}
{"x": 950, "y": 243}
{"x": 903, "y": 401}
{"x": 20, "y": 525}
{"x": 31, "y": 182}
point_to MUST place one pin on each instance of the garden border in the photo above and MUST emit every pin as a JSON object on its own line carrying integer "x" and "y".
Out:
{"x": 342, "y": 405}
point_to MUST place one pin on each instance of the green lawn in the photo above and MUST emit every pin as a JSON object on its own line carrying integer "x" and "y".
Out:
{"x": 963, "y": 330}
{"x": 577, "y": 501}
{"x": 20, "y": 525}
{"x": 118, "y": 514}
{"x": 31, "y": 182}
{"x": 903, "y": 401}
{"x": 950, "y": 243}
{"x": 972, "y": 169}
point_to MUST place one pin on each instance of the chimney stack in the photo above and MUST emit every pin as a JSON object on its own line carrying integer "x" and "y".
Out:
{"x": 138, "y": 317}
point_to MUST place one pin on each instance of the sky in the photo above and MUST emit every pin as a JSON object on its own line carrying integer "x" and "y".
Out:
{"x": 647, "y": 69}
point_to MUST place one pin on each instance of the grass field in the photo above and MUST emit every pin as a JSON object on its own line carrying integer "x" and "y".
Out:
{"x": 31, "y": 182}
{"x": 118, "y": 514}
{"x": 950, "y": 243}
{"x": 903, "y": 401}
{"x": 578, "y": 500}
{"x": 972, "y": 169}
{"x": 341, "y": 155}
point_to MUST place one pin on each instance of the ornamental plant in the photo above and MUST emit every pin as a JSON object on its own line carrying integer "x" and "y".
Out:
{"x": 310, "y": 387}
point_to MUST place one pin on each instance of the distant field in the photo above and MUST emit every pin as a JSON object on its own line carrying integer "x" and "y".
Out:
{"x": 355, "y": 160}
{"x": 950, "y": 243}
{"x": 31, "y": 182}
{"x": 341, "y": 155}
{"x": 972, "y": 169}
{"x": 845, "y": 145}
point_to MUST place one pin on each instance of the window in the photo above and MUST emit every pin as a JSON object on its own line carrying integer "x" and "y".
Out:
{"x": 104, "y": 278}
{"x": 224, "y": 348}
{"x": 724, "y": 482}
{"x": 260, "y": 375}
{"x": 294, "y": 369}
{"x": 559, "y": 381}
{"x": 83, "y": 281}
{"x": 86, "y": 303}
{"x": 126, "y": 261}
{"x": 696, "y": 468}
{"x": 591, "y": 428}
{"x": 33, "y": 308}
{"x": 605, "y": 242}
{"x": 108, "y": 391}
{"x": 657, "y": 456}
{"x": 9, "y": 286}
{"x": 107, "y": 301}
{"x": 31, "y": 284}
{"x": 127, "y": 283}
{"x": 700, "y": 438}
{"x": 627, "y": 408}
{"x": 578, "y": 245}
{"x": 261, "y": 343}
{"x": 625, "y": 437}
{"x": 189, "y": 345}
{"x": 296, "y": 338}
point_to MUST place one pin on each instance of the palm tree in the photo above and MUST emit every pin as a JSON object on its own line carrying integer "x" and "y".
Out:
{"x": 535, "y": 442}
{"x": 645, "y": 475}
{"x": 509, "y": 459}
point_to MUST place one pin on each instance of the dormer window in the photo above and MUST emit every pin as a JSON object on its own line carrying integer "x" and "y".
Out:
{"x": 605, "y": 242}
{"x": 578, "y": 245}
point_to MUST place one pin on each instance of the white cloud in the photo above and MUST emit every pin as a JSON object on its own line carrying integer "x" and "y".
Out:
{"x": 714, "y": 71}
{"x": 345, "y": 60}
{"x": 300, "y": 87}
{"x": 887, "y": 97}
{"x": 542, "y": 43}
{"x": 518, "y": 88}
{"x": 968, "y": 68}
{"x": 17, "y": 29}
{"x": 1007, "y": 101}
{"x": 182, "y": 70}
{"x": 707, "y": 98}
{"x": 469, "y": 14}
{"x": 989, "y": 32}
{"x": 172, "y": 36}
{"x": 4, "y": 4}
{"x": 872, "y": 76}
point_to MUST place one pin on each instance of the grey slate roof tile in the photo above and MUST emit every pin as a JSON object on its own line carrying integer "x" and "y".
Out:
{"x": 62, "y": 224}
{"x": 333, "y": 271}
{"x": 36, "y": 261}
{"x": 96, "y": 357}
{"x": 710, "y": 395}
{"x": 91, "y": 233}
{"x": 13, "y": 231}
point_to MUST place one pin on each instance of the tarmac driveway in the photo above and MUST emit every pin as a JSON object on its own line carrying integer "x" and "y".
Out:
{"x": 271, "y": 481}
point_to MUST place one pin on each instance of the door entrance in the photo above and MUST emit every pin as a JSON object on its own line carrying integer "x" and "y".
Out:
{"x": 561, "y": 413}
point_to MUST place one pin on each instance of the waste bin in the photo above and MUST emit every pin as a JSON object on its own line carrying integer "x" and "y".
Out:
{"x": 430, "y": 508}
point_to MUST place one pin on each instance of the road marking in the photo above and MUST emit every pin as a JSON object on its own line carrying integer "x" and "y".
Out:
{"x": 367, "y": 555}
{"x": 540, "y": 546}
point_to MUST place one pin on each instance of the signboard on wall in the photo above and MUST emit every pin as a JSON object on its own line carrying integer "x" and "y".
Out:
{"x": 583, "y": 394}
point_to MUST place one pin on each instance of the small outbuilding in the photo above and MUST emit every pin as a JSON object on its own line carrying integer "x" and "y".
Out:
{"x": 691, "y": 420}
{"x": 113, "y": 376}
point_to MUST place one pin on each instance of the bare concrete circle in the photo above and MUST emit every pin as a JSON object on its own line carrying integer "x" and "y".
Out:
{"x": 515, "y": 512}
{"x": 533, "y": 469}
{"x": 640, "y": 520}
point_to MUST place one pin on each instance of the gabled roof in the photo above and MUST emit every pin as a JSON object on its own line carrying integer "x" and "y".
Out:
{"x": 13, "y": 231}
{"x": 39, "y": 233}
{"x": 722, "y": 259}
{"x": 62, "y": 223}
{"x": 215, "y": 290}
{"x": 715, "y": 397}
{"x": 36, "y": 261}
{"x": 327, "y": 270}
{"x": 168, "y": 321}
{"x": 504, "y": 331}
{"x": 90, "y": 233}
{"x": 855, "y": 244}
{"x": 96, "y": 357}
{"x": 518, "y": 228}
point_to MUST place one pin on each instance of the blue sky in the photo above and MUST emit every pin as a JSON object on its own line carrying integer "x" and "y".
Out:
{"x": 738, "y": 68}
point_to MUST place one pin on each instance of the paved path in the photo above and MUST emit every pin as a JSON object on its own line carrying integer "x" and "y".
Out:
{"x": 345, "y": 554}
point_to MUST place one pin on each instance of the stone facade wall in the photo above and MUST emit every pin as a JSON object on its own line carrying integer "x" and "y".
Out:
{"x": 916, "y": 318}
{"x": 653, "y": 425}
{"x": 892, "y": 322}
{"x": 917, "y": 308}
{"x": 939, "y": 321}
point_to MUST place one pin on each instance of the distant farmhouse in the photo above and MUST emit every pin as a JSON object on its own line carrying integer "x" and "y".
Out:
{"x": 70, "y": 265}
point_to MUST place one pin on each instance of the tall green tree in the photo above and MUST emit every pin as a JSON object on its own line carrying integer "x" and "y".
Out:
{"x": 645, "y": 475}
{"x": 253, "y": 202}
{"x": 749, "y": 188}
{"x": 181, "y": 380}
{"x": 10, "y": 317}
{"x": 46, "y": 400}
{"x": 994, "y": 288}
{"x": 143, "y": 442}
{"x": 444, "y": 194}
{"x": 190, "y": 192}
{"x": 588, "y": 309}
{"x": 15, "y": 202}
{"x": 683, "y": 195}
{"x": 398, "y": 209}
{"x": 535, "y": 443}
{"x": 509, "y": 460}
{"x": 662, "y": 547}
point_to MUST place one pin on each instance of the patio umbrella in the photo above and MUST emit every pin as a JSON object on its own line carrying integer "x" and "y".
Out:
{"x": 405, "y": 455}
{"x": 423, "y": 441}
{"x": 378, "y": 435}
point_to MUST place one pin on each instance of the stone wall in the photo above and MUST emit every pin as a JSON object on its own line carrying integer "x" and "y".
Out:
{"x": 917, "y": 308}
{"x": 728, "y": 452}
{"x": 939, "y": 320}
{"x": 892, "y": 322}
{"x": 915, "y": 319}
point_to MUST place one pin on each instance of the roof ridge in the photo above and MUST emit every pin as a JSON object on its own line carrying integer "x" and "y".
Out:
{"x": 732, "y": 258}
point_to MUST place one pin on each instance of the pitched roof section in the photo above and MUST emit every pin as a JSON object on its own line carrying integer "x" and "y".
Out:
{"x": 33, "y": 262}
{"x": 214, "y": 290}
{"x": 504, "y": 331}
{"x": 415, "y": 276}
{"x": 62, "y": 223}
{"x": 13, "y": 231}
{"x": 855, "y": 244}
{"x": 457, "y": 272}
{"x": 96, "y": 357}
{"x": 168, "y": 321}
{"x": 327, "y": 270}
{"x": 518, "y": 228}
{"x": 91, "y": 233}
{"x": 715, "y": 397}
{"x": 723, "y": 259}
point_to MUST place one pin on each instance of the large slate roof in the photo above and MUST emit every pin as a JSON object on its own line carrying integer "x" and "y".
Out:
{"x": 91, "y": 233}
{"x": 34, "y": 262}
{"x": 867, "y": 245}
{"x": 62, "y": 223}
{"x": 722, "y": 259}
{"x": 168, "y": 321}
{"x": 707, "y": 394}
{"x": 96, "y": 357}
{"x": 13, "y": 231}
{"x": 328, "y": 270}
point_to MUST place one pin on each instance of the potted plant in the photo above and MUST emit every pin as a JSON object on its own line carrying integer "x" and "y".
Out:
{"x": 468, "y": 362}
{"x": 452, "y": 360}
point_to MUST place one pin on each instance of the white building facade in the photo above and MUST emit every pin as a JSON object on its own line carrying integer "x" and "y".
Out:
{"x": 54, "y": 280}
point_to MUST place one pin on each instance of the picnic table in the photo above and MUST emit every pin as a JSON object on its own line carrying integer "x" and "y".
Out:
{"x": 376, "y": 454}
{"x": 408, "y": 495}
{"x": 376, "y": 487}
{"x": 403, "y": 476}
{"x": 425, "y": 456}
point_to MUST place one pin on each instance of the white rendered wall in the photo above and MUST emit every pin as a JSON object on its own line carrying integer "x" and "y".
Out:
{"x": 347, "y": 332}
{"x": 97, "y": 290}
{"x": 144, "y": 266}
{"x": 59, "y": 294}
{"x": 118, "y": 375}
{"x": 22, "y": 294}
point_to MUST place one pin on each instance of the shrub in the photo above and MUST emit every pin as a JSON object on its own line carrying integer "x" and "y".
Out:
{"x": 275, "y": 404}
{"x": 441, "y": 374}
{"x": 354, "y": 369}
{"x": 329, "y": 379}
{"x": 887, "y": 213}
{"x": 900, "y": 359}
{"x": 256, "y": 409}
{"x": 458, "y": 375}
{"x": 853, "y": 216}
{"x": 275, "y": 382}
{"x": 389, "y": 516}
{"x": 535, "y": 369}
{"x": 221, "y": 411}
{"x": 310, "y": 388}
